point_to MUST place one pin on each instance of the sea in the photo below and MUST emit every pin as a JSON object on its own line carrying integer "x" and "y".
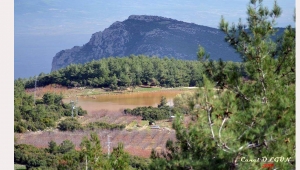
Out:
{"x": 33, "y": 54}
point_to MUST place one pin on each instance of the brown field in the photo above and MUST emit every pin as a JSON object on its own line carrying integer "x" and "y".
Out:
{"x": 110, "y": 117}
{"x": 137, "y": 137}
{"x": 136, "y": 142}
{"x": 53, "y": 88}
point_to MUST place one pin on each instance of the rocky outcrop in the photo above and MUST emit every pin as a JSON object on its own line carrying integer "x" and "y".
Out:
{"x": 148, "y": 35}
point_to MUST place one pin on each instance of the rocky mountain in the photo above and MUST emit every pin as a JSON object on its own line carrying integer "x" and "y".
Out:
{"x": 149, "y": 35}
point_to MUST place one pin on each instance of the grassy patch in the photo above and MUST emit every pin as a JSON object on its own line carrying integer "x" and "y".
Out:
{"x": 146, "y": 89}
{"x": 19, "y": 167}
{"x": 87, "y": 92}
{"x": 164, "y": 123}
{"x": 67, "y": 93}
{"x": 134, "y": 125}
{"x": 131, "y": 125}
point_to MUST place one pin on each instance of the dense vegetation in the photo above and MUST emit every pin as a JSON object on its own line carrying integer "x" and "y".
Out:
{"x": 40, "y": 114}
{"x": 115, "y": 72}
{"x": 242, "y": 121}
{"x": 71, "y": 124}
{"x": 64, "y": 156}
{"x": 152, "y": 113}
{"x": 104, "y": 125}
{"x": 239, "y": 113}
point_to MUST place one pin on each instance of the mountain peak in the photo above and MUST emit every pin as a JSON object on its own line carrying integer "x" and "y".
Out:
{"x": 151, "y": 36}
{"x": 148, "y": 18}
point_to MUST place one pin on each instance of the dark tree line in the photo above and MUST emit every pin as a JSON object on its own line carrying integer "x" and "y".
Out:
{"x": 71, "y": 124}
{"x": 115, "y": 72}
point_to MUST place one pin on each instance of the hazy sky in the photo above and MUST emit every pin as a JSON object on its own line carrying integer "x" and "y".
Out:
{"x": 42, "y": 28}
{"x": 55, "y": 17}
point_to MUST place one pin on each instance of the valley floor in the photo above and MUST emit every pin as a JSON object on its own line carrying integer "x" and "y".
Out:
{"x": 138, "y": 138}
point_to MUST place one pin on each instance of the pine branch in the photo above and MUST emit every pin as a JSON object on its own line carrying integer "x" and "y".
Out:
{"x": 223, "y": 122}
{"x": 235, "y": 161}
{"x": 209, "y": 111}
{"x": 240, "y": 94}
{"x": 249, "y": 127}
{"x": 278, "y": 68}
{"x": 226, "y": 147}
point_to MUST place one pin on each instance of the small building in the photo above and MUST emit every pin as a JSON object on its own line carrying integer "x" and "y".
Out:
{"x": 154, "y": 127}
{"x": 171, "y": 118}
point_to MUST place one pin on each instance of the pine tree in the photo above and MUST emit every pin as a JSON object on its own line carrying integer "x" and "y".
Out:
{"x": 119, "y": 159}
{"x": 163, "y": 101}
{"x": 91, "y": 153}
{"x": 253, "y": 116}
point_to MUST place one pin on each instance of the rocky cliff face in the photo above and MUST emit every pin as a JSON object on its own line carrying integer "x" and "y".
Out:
{"x": 148, "y": 35}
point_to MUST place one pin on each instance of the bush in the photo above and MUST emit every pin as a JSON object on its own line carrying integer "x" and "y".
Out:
{"x": 32, "y": 157}
{"x": 81, "y": 112}
{"x": 66, "y": 146}
{"x": 20, "y": 127}
{"x": 69, "y": 124}
{"x": 103, "y": 125}
{"x": 42, "y": 114}
{"x": 150, "y": 113}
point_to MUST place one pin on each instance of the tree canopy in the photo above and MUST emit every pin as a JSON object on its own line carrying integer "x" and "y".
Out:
{"x": 116, "y": 72}
{"x": 242, "y": 118}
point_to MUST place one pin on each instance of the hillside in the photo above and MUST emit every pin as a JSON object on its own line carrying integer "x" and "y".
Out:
{"x": 148, "y": 35}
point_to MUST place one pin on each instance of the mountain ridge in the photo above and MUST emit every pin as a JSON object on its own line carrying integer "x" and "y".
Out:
{"x": 148, "y": 35}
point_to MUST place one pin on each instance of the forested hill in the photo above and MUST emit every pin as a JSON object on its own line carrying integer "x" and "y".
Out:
{"x": 117, "y": 72}
{"x": 149, "y": 35}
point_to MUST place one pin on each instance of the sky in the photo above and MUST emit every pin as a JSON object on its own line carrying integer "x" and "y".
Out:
{"x": 54, "y": 17}
{"x": 44, "y": 27}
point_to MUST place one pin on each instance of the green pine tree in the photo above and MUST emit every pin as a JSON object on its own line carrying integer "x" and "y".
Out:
{"x": 119, "y": 159}
{"x": 91, "y": 153}
{"x": 251, "y": 116}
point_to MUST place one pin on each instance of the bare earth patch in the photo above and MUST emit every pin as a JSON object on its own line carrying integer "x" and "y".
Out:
{"x": 139, "y": 143}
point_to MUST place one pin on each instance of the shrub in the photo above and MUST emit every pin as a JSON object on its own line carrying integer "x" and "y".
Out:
{"x": 69, "y": 124}
{"x": 103, "y": 125}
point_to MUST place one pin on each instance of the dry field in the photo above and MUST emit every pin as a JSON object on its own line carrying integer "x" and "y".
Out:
{"x": 136, "y": 142}
{"x": 137, "y": 137}
{"x": 53, "y": 88}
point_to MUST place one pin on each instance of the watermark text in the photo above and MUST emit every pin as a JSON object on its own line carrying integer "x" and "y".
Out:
{"x": 266, "y": 159}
